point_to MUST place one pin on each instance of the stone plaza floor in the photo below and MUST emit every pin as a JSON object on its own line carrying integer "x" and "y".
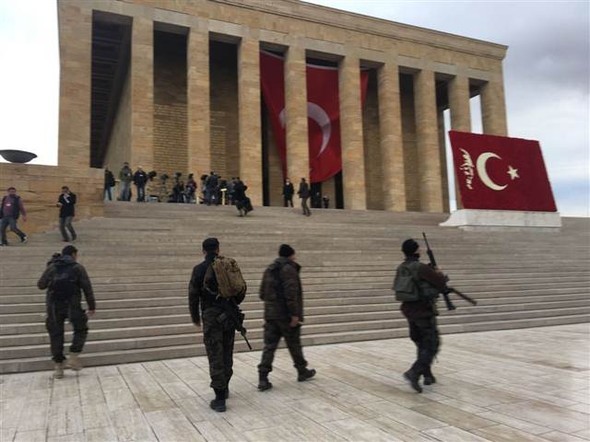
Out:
{"x": 516, "y": 385}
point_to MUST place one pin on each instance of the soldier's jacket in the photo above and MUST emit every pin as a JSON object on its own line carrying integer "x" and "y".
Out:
{"x": 82, "y": 281}
{"x": 290, "y": 302}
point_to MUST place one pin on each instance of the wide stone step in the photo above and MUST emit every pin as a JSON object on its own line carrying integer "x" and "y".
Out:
{"x": 197, "y": 349}
{"x": 315, "y": 327}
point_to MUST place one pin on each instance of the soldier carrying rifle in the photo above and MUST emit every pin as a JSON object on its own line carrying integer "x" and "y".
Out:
{"x": 418, "y": 287}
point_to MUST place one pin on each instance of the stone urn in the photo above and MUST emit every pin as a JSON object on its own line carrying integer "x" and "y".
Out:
{"x": 17, "y": 156}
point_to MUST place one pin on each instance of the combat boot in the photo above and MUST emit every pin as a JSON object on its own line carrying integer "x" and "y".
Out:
{"x": 218, "y": 404}
{"x": 305, "y": 374}
{"x": 413, "y": 378}
{"x": 263, "y": 383}
{"x": 74, "y": 362}
{"x": 429, "y": 378}
{"x": 59, "y": 370}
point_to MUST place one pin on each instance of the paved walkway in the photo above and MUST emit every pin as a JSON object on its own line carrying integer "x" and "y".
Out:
{"x": 521, "y": 385}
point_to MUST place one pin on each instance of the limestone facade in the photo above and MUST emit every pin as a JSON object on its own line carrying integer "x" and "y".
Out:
{"x": 200, "y": 109}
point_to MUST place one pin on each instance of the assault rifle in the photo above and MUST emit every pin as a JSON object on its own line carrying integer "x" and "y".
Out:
{"x": 234, "y": 315}
{"x": 447, "y": 290}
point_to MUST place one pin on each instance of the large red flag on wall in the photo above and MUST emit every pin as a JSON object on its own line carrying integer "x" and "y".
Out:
{"x": 501, "y": 173}
{"x": 325, "y": 151}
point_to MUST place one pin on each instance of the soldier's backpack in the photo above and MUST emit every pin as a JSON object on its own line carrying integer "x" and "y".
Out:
{"x": 230, "y": 281}
{"x": 405, "y": 283}
{"x": 64, "y": 283}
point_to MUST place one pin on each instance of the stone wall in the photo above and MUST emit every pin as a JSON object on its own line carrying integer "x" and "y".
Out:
{"x": 170, "y": 105}
{"x": 40, "y": 186}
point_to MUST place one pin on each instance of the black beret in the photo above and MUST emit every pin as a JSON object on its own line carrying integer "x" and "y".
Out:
{"x": 409, "y": 247}
{"x": 210, "y": 244}
{"x": 286, "y": 250}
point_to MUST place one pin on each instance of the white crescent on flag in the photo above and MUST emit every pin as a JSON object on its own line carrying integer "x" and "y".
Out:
{"x": 483, "y": 173}
{"x": 319, "y": 115}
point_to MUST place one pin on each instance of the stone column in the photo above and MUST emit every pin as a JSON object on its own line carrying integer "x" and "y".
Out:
{"x": 493, "y": 108}
{"x": 142, "y": 94}
{"x": 75, "y": 45}
{"x": 459, "y": 104}
{"x": 296, "y": 115}
{"x": 392, "y": 149}
{"x": 460, "y": 114}
{"x": 429, "y": 167}
{"x": 351, "y": 134}
{"x": 250, "y": 147}
{"x": 199, "y": 142}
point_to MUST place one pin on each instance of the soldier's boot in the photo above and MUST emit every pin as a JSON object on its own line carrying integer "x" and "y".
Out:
{"x": 305, "y": 374}
{"x": 429, "y": 378}
{"x": 74, "y": 362}
{"x": 226, "y": 393}
{"x": 218, "y": 404}
{"x": 58, "y": 372}
{"x": 263, "y": 382}
{"x": 413, "y": 378}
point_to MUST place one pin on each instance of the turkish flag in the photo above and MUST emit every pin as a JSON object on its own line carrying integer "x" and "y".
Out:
{"x": 323, "y": 112}
{"x": 501, "y": 173}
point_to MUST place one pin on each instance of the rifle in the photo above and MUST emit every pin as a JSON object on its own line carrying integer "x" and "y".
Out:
{"x": 447, "y": 290}
{"x": 236, "y": 318}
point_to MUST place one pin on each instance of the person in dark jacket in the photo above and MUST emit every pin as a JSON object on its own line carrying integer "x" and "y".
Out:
{"x": 304, "y": 193}
{"x": 218, "y": 332}
{"x": 125, "y": 179}
{"x": 63, "y": 301}
{"x": 140, "y": 178}
{"x": 109, "y": 183}
{"x": 10, "y": 210}
{"x": 283, "y": 315}
{"x": 243, "y": 203}
{"x": 288, "y": 191}
{"x": 67, "y": 210}
{"x": 421, "y": 314}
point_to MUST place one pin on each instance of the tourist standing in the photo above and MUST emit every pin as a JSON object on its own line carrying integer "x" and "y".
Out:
{"x": 125, "y": 179}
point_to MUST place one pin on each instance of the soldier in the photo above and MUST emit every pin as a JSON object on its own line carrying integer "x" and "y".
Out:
{"x": 283, "y": 315}
{"x": 418, "y": 285}
{"x": 65, "y": 279}
{"x": 218, "y": 332}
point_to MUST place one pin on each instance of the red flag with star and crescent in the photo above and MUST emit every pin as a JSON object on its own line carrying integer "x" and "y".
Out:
{"x": 501, "y": 173}
{"x": 323, "y": 112}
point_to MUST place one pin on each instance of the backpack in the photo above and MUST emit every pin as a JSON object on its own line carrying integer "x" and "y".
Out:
{"x": 230, "y": 281}
{"x": 64, "y": 284}
{"x": 405, "y": 283}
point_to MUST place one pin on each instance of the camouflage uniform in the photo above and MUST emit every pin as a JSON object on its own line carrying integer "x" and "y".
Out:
{"x": 59, "y": 311}
{"x": 218, "y": 336}
{"x": 278, "y": 310}
{"x": 421, "y": 316}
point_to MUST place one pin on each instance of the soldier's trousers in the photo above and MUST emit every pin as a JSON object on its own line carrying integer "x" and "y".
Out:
{"x": 219, "y": 343}
{"x": 273, "y": 331}
{"x": 56, "y": 316}
{"x": 424, "y": 333}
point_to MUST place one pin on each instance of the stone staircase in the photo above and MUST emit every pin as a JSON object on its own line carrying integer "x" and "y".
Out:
{"x": 140, "y": 257}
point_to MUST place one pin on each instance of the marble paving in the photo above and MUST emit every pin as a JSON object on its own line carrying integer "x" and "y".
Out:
{"x": 519, "y": 385}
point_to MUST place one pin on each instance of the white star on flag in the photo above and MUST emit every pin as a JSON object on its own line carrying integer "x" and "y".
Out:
{"x": 513, "y": 173}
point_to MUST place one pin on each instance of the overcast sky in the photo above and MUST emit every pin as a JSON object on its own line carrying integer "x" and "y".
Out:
{"x": 546, "y": 75}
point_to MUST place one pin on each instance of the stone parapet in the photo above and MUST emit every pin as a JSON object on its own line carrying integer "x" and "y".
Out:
{"x": 40, "y": 186}
{"x": 506, "y": 220}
